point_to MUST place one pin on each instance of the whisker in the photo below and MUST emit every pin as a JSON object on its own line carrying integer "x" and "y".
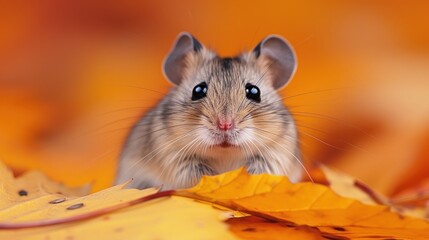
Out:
{"x": 296, "y": 158}
{"x": 263, "y": 155}
{"x": 106, "y": 153}
{"x": 326, "y": 117}
{"x": 121, "y": 110}
{"x": 143, "y": 88}
{"x": 173, "y": 160}
{"x": 308, "y": 134}
{"x": 316, "y": 91}
{"x": 318, "y": 139}
{"x": 157, "y": 130}
{"x": 158, "y": 150}
{"x": 318, "y": 130}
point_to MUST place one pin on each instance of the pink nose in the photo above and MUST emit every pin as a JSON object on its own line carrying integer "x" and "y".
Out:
{"x": 225, "y": 124}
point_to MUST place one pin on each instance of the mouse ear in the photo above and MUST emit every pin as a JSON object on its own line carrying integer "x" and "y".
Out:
{"x": 175, "y": 62}
{"x": 282, "y": 59}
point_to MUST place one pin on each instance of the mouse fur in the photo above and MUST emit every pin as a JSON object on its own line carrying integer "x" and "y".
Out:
{"x": 189, "y": 134}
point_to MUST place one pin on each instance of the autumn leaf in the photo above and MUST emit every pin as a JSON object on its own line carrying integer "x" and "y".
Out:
{"x": 226, "y": 206}
{"x": 413, "y": 204}
{"x": 252, "y": 227}
{"x": 275, "y": 198}
{"x": 114, "y": 213}
{"x": 34, "y": 200}
{"x": 31, "y": 185}
{"x": 165, "y": 218}
{"x": 349, "y": 187}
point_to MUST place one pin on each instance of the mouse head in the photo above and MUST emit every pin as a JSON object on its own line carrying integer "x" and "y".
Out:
{"x": 232, "y": 101}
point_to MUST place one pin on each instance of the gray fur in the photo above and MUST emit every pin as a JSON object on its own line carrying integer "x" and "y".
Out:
{"x": 177, "y": 142}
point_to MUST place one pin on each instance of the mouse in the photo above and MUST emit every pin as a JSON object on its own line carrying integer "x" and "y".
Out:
{"x": 221, "y": 114}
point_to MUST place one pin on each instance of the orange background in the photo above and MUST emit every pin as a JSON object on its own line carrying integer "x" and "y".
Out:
{"x": 75, "y": 75}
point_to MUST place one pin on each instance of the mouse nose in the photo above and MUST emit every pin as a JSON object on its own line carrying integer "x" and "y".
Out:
{"x": 225, "y": 124}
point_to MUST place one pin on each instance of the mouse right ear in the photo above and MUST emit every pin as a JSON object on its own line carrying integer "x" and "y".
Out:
{"x": 281, "y": 57}
{"x": 175, "y": 62}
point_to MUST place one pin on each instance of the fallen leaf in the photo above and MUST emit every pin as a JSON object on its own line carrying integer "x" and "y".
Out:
{"x": 276, "y": 198}
{"x": 258, "y": 228}
{"x": 114, "y": 213}
{"x": 31, "y": 185}
{"x": 349, "y": 187}
{"x": 258, "y": 207}
{"x": 45, "y": 211}
{"x": 414, "y": 204}
{"x": 35, "y": 200}
{"x": 164, "y": 218}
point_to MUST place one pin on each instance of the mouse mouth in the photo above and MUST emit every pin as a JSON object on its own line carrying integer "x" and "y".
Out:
{"x": 225, "y": 144}
{"x": 226, "y": 140}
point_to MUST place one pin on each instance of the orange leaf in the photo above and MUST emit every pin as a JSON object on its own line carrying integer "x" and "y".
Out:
{"x": 277, "y": 199}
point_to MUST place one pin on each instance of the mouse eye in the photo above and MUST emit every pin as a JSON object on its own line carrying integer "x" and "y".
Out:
{"x": 199, "y": 91}
{"x": 253, "y": 93}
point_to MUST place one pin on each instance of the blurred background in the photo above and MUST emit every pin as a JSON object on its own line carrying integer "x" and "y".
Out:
{"x": 75, "y": 75}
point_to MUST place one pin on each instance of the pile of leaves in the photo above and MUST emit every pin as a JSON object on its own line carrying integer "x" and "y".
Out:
{"x": 234, "y": 205}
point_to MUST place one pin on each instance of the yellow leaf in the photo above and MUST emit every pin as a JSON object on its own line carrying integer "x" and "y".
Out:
{"x": 34, "y": 200}
{"x": 41, "y": 211}
{"x": 166, "y": 218}
{"x": 113, "y": 213}
{"x": 29, "y": 186}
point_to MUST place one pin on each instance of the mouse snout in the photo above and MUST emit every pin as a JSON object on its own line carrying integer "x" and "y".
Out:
{"x": 225, "y": 124}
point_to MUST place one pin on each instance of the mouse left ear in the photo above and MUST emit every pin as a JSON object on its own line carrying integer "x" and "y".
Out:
{"x": 175, "y": 63}
{"x": 281, "y": 56}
